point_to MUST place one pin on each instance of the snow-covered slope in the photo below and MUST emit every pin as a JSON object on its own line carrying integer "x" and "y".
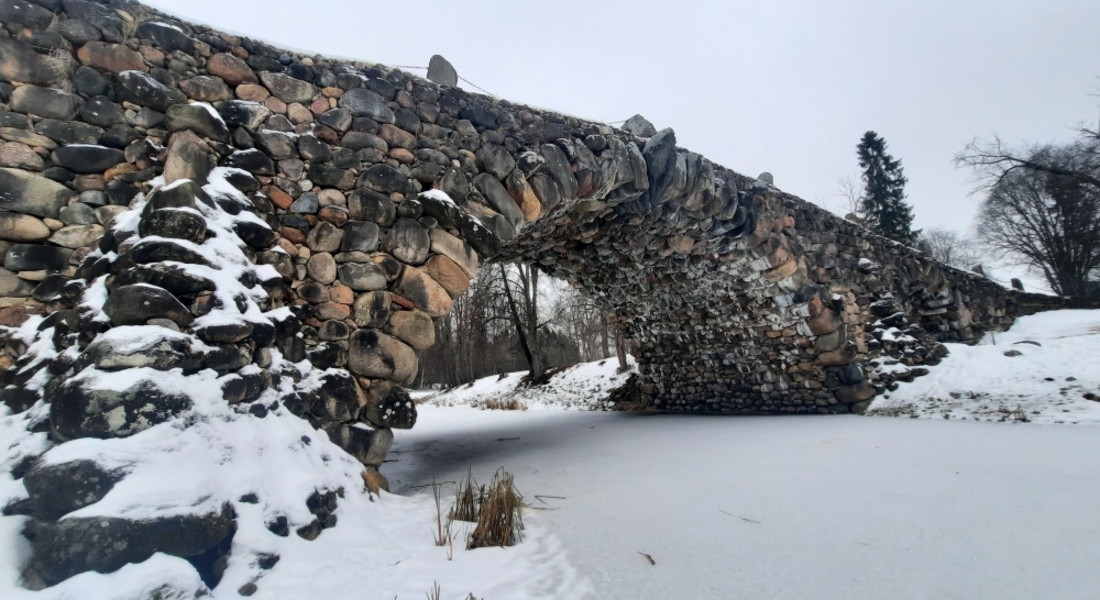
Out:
{"x": 584, "y": 386}
{"x": 1045, "y": 369}
{"x": 381, "y": 546}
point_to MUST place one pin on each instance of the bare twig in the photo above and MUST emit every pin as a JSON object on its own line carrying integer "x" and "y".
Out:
{"x": 649, "y": 558}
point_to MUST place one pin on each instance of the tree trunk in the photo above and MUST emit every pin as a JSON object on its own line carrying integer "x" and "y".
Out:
{"x": 603, "y": 331}
{"x": 620, "y": 347}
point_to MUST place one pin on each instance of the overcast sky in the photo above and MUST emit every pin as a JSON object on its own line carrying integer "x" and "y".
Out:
{"x": 771, "y": 85}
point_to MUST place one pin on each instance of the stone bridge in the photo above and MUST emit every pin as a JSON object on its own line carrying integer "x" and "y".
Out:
{"x": 189, "y": 217}
{"x": 188, "y": 201}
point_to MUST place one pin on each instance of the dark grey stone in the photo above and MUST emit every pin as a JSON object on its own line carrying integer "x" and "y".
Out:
{"x": 166, "y": 36}
{"x": 99, "y": 110}
{"x": 136, "y": 304}
{"x": 362, "y": 277}
{"x": 173, "y": 223}
{"x": 142, "y": 89}
{"x": 253, "y": 160}
{"x": 385, "y": 179}
{"x": 441, "y": 72}
{"x": 306, "y": 204}
{"x": 366, "y": 205}
{"x": 46, "y": 102}
{"x": 86, "y": 158}
{"x": 496, "y": 160}
{"x": 32, "y": 194}
{"x": 238, "y": 113}
{"x": 276, "y": 144}
{"x": 499, "y": 198}
{"x": 408, "y": 242}
{"x": 19, "y": 62}
{"x": 362, "y": 102}
{"x": 56, "y": 490}
{"x": 639, "y": 126}
{"x": 78, "y": 32}
{"x": 105, "y": 544}
{"x": 33, "y": 257}
{"x": 78, "y": 411}
{"x": 196, "y": 118}
{"x": 69, "y": 132}
{"x": 337, "y": 118}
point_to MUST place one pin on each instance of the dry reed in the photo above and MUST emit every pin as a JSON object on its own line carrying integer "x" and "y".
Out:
{"x": 499, "y": 521}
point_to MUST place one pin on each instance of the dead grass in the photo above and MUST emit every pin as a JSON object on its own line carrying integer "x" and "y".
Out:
{"x": 468, "y": 499}
{"x": 512, "y": 404}
{"x": 443, "y": 530}
{"x": 436, "y": 591}
{"x": 499, "y": 520}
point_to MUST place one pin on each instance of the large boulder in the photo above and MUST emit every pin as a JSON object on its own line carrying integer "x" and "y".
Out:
{"x": 368, "y": 446}
{"x": 372, "y": 309}
{"x": 56, "y": 490}
{"x": 288, "y": 89}
{"x": 143, "y": 346}
{"x": 19, "y": 62}
{"x": 375, "y": 354}
{"x": 113, "y": 58}
{"x": 141, "y": 89}
{"x": 88, "y": 158}
{"x": 166, "y": 36}
{"x": 408, "y": 242}
{"x": 189, "y": 157}
{"x": 362, "y": 277}
{"x": 32, "y": 257}
{"x": 105, "y": 544}
{"x": 442, "y": 72}
{"x": 28, "y": 193}
{"x": 90, "y": 407}
{"x": 136, "y": 304}
{"x": 45, "y": 102}
{"x": 389, "y": 405}
{"x": 337, "y": 397}
{"x": 424, "y": 292}
{"x": 231, "y": 69}
{"x": 200, "y": 118}
{"x": 413, "y": 327}
{"x": 15, "y": 227}
{"x": 362, "y": 102}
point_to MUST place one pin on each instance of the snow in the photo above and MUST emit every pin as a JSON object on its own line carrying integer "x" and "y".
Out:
{"x": 1046, "y": 383}
{"x": 584, "y": 386}
{"x": 788, "y": 507}
{"x": 221, "y": 455}
{"x": 439, "y": 195}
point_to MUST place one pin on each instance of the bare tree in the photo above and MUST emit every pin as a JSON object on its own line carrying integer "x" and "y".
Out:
{"x": 1043, "y": 212}
{"x": 948, "y": 247}
{"x": 850, "y": 193}
{"x": 991, "y": 161}
{"x": 523, "y": 304}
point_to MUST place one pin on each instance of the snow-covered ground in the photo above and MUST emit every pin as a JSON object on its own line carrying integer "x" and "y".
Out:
{"x": 1050, "y": 374}
{"x": 740, "y": 507}
{"x": 822, "y": 507}
{"x": 584, "y": 386}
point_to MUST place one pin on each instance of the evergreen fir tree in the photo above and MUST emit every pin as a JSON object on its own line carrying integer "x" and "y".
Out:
{"x": 883, "y": 202}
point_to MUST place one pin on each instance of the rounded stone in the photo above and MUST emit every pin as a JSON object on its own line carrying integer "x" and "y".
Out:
{"x": 321, "y": 268}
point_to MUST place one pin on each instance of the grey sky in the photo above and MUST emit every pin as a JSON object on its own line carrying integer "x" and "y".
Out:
{"x": 786, "y": 87}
